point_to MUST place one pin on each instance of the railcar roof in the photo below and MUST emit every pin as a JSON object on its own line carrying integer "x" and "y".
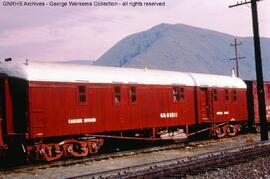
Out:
{"x": 58, "y": 72}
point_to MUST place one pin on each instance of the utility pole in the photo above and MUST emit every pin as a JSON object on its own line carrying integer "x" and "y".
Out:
{"x": 258, "y": 64}
{"x": 236, "y": 55}
{"x": 121, "y": 63}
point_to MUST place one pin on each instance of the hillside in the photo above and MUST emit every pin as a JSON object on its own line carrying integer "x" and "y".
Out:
{"x": 185, "y": 48}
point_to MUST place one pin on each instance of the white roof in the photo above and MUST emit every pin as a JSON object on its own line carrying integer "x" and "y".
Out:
{"x": 58, "y": 72}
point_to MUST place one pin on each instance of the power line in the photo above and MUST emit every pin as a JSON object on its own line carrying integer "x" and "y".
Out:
{"x": 242, "y": 3}
{"x": 258, "y": 64}
{"x": 237, "y": 58}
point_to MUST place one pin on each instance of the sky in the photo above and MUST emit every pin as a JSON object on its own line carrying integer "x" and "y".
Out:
{"x": 56, "y": 33}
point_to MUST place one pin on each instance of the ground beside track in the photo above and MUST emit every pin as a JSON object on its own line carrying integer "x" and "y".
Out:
{"x": 109, "y": 164}
{"x": 256, "y": 169}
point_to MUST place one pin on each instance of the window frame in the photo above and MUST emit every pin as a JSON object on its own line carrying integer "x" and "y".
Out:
{"x": 215, "y": 95}
{"x": 226, "y": 95}
{"x": 117, "y": 95}
{"x": 234, "y": 95}
{"x": 133, "y": 94}
{"x": 82, "y": 93}
{"x": 178, "y": 93}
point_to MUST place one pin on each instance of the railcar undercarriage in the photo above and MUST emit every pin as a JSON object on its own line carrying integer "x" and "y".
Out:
{"x": 64, "y": 149}
{"x": 50, "y": 150}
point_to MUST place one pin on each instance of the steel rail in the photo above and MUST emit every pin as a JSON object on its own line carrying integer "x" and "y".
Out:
{"x": 105, "y": 156}
{"x": 185, "y": 165}
{"x": 98, "y": 157}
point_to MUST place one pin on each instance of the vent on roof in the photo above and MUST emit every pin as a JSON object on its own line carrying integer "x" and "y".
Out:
{"x": 8, "y": 59}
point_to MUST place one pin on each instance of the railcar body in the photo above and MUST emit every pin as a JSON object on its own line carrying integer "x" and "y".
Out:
{"x": 54, "y": 110}
{"x": 252, "y": 100}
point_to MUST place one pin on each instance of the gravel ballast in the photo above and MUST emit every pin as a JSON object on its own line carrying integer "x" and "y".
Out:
{"x": 258, "y": 168}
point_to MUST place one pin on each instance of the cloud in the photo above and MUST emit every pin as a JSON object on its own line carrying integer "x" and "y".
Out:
{"x": 65, "y": 33}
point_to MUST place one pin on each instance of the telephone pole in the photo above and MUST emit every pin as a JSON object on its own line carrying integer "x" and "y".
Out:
{"x": 236, "y": 55}
{"x": 258, "y": 64}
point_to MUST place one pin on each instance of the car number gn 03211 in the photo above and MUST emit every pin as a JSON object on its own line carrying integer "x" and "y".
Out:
{"x": 169, "y": 115}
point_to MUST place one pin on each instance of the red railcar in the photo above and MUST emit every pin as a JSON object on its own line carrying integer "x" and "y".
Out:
{"x": 252, "y": 99}
{"x": 55, "y": 110}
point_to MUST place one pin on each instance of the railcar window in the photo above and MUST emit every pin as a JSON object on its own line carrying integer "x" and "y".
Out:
{"x": 132, "y": 94}
{"x": 215, "y": 97}
{"x": 234, "y": 94}
{"x": 226, "y": 93}
{"x": 82, "y": 94}
{"x": 178, "y": 94}
{"x": 117, "y": 94}
{"x": 182, "y": 93}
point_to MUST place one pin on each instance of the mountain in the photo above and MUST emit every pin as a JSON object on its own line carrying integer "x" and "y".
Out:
{"x": 185, "y": 48}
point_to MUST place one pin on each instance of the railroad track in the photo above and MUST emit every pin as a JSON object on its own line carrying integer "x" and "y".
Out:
{"x": 183, "y": 166}
{"x": 99, "y": 157}
{"x": 70, "y": 162}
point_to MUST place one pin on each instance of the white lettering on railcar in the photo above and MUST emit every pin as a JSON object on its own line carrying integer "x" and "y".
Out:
{"x": 86, "y": 120}
{"x": 267, "y": 111}
{"x": 82, "y": 120}
{"x": 226, "y": 112}
{"x": 169, "y": 115}
{"x": 74, "y": 121}
{"x": 219, "y": 113}
{"x": 39, "y": 134}
{"x": 222, "y": 112}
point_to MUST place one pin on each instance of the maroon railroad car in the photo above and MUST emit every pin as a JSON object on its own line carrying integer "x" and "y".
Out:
{"x": 52, "y": 110}
{"x": 252, "y": 99}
